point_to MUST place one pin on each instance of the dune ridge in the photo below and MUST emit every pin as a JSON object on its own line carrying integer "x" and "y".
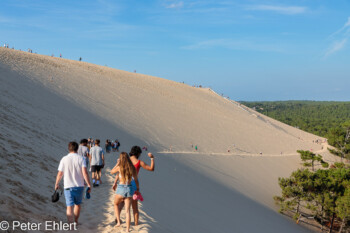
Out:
{"x": 47, "y": 101}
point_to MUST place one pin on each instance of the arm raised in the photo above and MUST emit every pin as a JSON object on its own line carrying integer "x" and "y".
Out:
{"x": 146, "y": 166}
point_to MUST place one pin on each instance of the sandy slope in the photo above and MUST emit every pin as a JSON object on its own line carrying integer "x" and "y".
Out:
{"x": 45, "y": 102}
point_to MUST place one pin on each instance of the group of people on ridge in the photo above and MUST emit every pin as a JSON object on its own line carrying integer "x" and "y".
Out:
{"x": 73, "y": 168}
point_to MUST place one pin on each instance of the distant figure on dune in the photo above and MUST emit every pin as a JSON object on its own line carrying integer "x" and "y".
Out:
{"x": 73, "y": 171}
{"x": 126, "y": 174}
{"x": 135, "y": 154}
{"x": 196, "y": 148}
{"x": 60, "y": 55}
{"x": 80, "y": 59}
{"x": 97, "y": 160}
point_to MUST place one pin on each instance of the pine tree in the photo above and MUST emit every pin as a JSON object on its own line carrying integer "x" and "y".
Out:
{"x": 343, "y": 208}
{"x": 340, "y": 139}
{"x": 309, "y": 159}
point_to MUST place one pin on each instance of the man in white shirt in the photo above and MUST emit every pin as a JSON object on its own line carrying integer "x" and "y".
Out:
{"x": 73, "y": 170}
{"x": 97, "y": 161}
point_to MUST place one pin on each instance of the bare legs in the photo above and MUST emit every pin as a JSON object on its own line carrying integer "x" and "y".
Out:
{"x": 99, "y": 174}
{"x": 93, "y": 175}
{"x": 73, "y": 213}
{"x": 117, "y": 200}
{"x": 127, "y": 212}
{"x": 117, "y": 204}
{"x": 135, "y": 210}
{"x": 97, "y": 177}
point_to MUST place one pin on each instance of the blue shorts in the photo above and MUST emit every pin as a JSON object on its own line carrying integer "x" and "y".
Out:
{"x": 133, "y": 184}
{"x": 125, "y": 190}
{"x": 74, "y": 196}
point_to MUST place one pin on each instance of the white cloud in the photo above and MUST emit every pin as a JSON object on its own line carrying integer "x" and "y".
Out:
{"x": 336, "y": 46}
{"x": 347, "y": 24}
{"x": 340, "y": 39}
{"x": 234, "y": 45}
{"x": 287, "y": 10}
{"x": 175, "y": 5}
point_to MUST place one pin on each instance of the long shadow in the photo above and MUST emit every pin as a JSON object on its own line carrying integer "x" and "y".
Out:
{"x": 36, "y": 126}
{"x": 183, "y": 200}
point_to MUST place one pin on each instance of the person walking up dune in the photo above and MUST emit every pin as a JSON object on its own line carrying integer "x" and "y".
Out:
{"x": 83, "y": 150}
{"x": 97, "y": 161}
{"x": 126, "y": 173}
{"x": 135, "y": 154}
{"x": 73, "y": 170}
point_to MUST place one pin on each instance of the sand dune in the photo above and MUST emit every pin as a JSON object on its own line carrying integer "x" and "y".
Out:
{"x": 46, "y": 102}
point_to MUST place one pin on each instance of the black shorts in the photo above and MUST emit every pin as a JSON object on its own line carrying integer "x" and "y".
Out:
{"x": 96, "y": 168}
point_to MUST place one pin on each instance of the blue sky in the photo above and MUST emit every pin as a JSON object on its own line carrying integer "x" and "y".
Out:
{"x": 247, "y": 50}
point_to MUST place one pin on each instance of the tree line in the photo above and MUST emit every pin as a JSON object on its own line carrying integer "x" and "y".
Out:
{"x": 323, "y": 118}
{"x": 316, "y": 117}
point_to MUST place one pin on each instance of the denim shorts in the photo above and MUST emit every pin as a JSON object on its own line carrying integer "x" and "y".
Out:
{"x": 74, "y": 195}
{"x": 125, "y": 190}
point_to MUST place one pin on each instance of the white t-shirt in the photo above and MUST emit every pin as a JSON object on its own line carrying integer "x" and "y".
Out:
{"x": 72, "y": 167}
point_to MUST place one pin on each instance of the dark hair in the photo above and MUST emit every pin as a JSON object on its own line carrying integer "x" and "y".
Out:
{"x": 73, "y": 147}
{"x": 83, "y": 141}
{"x": 135, "y": 151}
{"x": 97, "y": 141}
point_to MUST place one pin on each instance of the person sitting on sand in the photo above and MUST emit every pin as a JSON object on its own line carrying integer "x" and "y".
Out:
{"x": 126, "y": 173}
{"x": 97, "y": 161}
{"x": 73, "y": 170}
{"x": 135, "y": 154}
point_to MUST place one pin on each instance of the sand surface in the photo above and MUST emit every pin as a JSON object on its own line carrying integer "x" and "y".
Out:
{"x": 46, "y": 102}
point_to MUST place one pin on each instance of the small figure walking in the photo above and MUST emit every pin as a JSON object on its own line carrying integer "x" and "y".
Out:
{"x": 80, "y": 59}
{"x": 196, "y": 148}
